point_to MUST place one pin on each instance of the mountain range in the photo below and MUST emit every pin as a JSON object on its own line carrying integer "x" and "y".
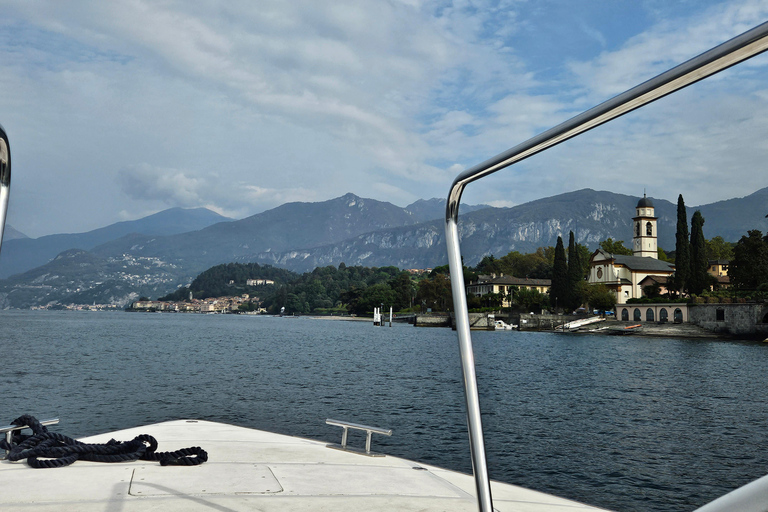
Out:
{"x": 154, "y": 255}
{"x": 21, "y": 253}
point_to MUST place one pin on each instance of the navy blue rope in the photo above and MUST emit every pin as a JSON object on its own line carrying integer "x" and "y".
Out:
{"x": 45, "y": 449}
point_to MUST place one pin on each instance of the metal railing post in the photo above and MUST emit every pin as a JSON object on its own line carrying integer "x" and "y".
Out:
{"x": 721, "y": 57}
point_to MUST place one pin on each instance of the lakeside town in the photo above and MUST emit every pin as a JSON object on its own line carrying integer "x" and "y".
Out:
{"x": 640, "y": 285}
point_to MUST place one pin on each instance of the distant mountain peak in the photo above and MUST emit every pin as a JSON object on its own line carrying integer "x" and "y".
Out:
{"x": 353, "y": 200}
{"x": 10, "y": 234}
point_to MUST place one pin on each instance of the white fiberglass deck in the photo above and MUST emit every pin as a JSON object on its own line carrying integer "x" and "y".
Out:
{"x": 254, "y": 470}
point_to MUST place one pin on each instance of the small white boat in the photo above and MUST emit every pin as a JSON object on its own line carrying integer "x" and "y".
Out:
{"x": 501, "y": 325}
{"x": 578, "y": 324}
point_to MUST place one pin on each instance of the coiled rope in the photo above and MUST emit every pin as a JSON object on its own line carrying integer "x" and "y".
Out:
{"x": 45, "y": 449}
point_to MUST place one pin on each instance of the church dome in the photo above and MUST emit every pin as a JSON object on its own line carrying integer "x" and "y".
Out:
{"x": 644, "y": 203}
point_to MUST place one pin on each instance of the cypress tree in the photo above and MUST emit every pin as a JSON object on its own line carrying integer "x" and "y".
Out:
{"x": 574, "y": 275}
{"x": 682, "y": 248}
{"x": 559, "y": 290}
{"x": 699, "y": 263}
{"x": 749, "y": 267}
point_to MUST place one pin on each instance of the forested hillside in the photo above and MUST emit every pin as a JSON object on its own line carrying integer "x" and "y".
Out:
{"x": 231, "y": 279}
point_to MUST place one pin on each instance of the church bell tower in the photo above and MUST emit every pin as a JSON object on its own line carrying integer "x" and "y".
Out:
{"x": 644, "y": 242}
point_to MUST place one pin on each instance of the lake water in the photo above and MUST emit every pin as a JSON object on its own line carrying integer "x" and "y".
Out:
{"x": 626, "y": 423}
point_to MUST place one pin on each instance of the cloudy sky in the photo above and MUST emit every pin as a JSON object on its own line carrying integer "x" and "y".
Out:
{"x": 120, "y": 109}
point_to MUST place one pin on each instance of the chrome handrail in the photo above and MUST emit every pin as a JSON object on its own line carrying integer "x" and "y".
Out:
{"x": 346, "y": 425}
{"x": 721, "y": 57}
{"x": 5, "y": 179}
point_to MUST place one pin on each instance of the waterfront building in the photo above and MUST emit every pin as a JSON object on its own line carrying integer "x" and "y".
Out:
{"x": 502, "y": 284}
{"x": 626, "y": 276}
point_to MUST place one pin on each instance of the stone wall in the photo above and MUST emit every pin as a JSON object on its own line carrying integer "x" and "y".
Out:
{"x": 735, "y": 319}
{"x": 477, "y": 321}
{"x": 544, "y": 322}
{"x": 433, "y": 320}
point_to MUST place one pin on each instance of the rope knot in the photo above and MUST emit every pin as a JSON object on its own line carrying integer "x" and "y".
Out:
{"x": 57, "y": 450}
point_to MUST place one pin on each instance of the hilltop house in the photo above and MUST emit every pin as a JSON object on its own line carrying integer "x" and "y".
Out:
{"x": 627, "y": 275}
{"x": 259, "y": 282}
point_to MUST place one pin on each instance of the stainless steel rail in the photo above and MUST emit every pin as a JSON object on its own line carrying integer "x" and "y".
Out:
{"x": 732, "y": 52}
{"x": 5, "y": 179}
{"x": 10, "y": 429}
{"x": 356, "y": 426}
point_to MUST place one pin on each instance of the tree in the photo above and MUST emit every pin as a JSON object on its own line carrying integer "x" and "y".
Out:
{"x": 584, "y": 255}
{"x": 374, "y": 296}
{"x": 558, "y": 291}
{"x": 403, "y": 288}
{"x": 530, "y": 300}
{"x": 489, "y": 265}
{"x": 574, "y": 297}
{"x": 719, "y": 249}
{"x": 652, "y": 290}
{"x": 749, "y": 267}
{"x": 662, "y": 256}
{"x": 682, "y": 248}
{"x": 536, "y": 265}
{"x": 492, "y": 300}
{"x": 617, "y": 247}
{"x": 435, "y": 292}
{"x": 601, "y": 298}
{"x": 698, "y": 276}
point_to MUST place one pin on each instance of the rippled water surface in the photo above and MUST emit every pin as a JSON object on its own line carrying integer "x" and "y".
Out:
{"x": 627, "y": 423}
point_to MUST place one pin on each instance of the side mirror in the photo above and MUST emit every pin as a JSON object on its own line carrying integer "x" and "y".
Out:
{"x": 5, "y": 179}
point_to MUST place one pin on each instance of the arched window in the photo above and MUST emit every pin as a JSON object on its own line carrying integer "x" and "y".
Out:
{"x": 663, "y": 315}
{"x": 678, "y": 316}
{"x": 624, "y": 315}
{"x": 649, "y": 315}
{"x": 638, "y": 315}
{"x": 637, "y": 229}
{"x": 649, "y": 229}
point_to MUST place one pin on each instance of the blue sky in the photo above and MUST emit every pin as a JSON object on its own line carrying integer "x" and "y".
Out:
{"x": 116, "y": 110}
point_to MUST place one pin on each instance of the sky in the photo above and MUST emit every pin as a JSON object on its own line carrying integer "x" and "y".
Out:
{"x": 117, "y": 110}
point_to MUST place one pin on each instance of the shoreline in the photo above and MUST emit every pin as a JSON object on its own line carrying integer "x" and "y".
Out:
{"x": 655, "y": 330}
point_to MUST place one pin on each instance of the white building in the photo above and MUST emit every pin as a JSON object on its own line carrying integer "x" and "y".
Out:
{"x": 624, "y": 274}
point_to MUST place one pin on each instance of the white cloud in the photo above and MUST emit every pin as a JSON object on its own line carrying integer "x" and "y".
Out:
{"x": 175, "y": 187}
{"x": 665, "y": 45}
{"x": 242, "y": 106}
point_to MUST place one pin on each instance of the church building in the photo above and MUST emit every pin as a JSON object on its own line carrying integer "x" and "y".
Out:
{"x": 627, "y": 275}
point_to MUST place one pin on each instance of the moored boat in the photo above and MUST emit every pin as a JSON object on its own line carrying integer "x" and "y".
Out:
{"x": 628, "y": 329}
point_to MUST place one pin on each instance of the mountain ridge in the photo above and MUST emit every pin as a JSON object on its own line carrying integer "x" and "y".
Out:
{"x": 360, "y": 231}
{"x": 21, "y": 254}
